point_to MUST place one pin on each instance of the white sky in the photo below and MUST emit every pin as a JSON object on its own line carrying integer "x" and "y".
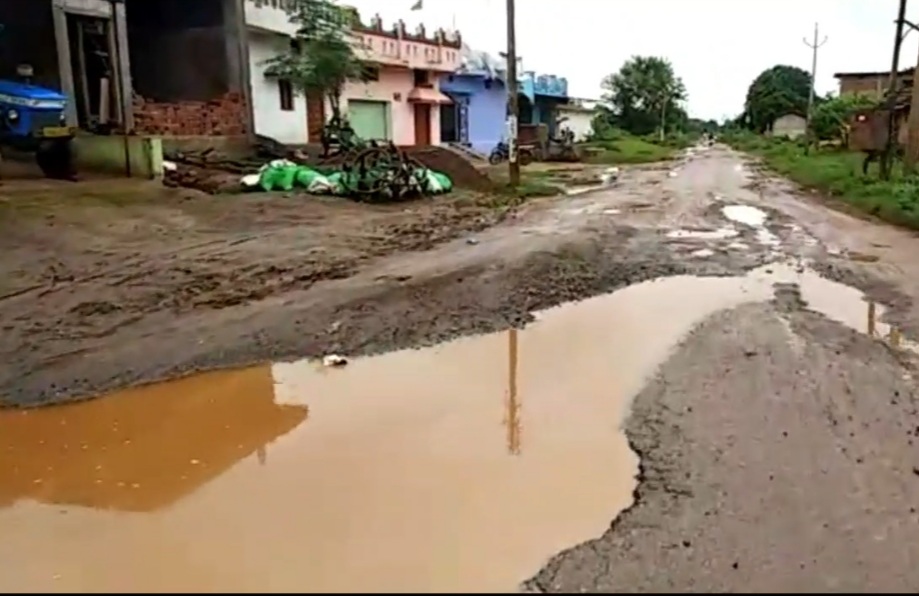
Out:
{"x": 717, "y": 46}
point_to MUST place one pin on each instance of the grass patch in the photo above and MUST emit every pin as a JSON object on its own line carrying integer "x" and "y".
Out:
{"x": 533, "y": 183}
{"x": 838, "y": 173}
{"x": 628, "y": 149}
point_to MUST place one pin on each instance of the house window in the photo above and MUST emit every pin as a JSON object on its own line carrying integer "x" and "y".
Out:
{"x": 421, "y": 78}
{"x": 286, "y": 91}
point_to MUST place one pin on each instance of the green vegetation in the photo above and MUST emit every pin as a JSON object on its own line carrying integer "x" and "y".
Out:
{"x": 776, "y": 92}
{"x": 614, "y": 146}
{"x": 642, "y": 96}
{"x": 837, "y": 173}
{"x": 830, "y": 118}
{"x": 827, "y": 166}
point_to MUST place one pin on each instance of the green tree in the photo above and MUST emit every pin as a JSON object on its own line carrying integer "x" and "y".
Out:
{"x": 323, "y": 55}
{"x": 643, "y": 90}
{"x": 829, "y": 120}
{"x": 776, "y": 92}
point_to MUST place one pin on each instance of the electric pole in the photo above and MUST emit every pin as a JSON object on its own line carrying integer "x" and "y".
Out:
{"x": 663, "y": 134}
{"x": 911, "y": 151}
{"x": 512, "y": 108}
{"x": 892, "y": 132}
{"x": 815, "y": 45}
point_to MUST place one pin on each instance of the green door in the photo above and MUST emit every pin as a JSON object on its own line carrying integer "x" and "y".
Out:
{"x": 369, "y": 119}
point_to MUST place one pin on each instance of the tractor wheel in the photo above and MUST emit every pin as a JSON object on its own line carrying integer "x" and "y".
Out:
{"x": 55, "y": 159}
{"x": 525, "y": 157}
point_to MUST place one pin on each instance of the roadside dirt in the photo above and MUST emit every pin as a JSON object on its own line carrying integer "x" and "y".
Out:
{"x": 85, "y": 263}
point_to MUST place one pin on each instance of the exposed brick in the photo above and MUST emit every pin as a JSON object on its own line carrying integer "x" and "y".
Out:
{"x": 223, "y": 116}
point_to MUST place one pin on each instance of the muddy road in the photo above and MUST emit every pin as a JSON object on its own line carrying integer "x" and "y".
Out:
{"x": 764, "y": 382}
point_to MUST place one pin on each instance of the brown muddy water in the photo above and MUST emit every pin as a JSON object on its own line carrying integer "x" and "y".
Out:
{"x": 462, "y": 467}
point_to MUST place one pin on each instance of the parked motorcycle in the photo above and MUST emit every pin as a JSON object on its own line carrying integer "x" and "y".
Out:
{"x": 501, "y": 153}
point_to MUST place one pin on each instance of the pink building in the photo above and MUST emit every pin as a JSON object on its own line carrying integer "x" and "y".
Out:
{"x": 402, "y": 104}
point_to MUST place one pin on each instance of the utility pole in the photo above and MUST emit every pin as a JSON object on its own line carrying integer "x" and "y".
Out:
{"x": 663, "y": 135}
{"x": 815, "y": 45}
{"x": 887, "y": 156}
{"x": 911, "y": 151}
{"x": 512, "y": 108}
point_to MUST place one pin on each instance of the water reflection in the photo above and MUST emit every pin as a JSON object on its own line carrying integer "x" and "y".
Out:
{"x": 512, "y": 415}
{"x": 143, "y": 449}
{"x": 889, "y": 333}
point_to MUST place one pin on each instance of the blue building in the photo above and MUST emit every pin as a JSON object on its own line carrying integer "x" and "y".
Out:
{"x": 476, "y": 116}
{"x": 540, "y": 97}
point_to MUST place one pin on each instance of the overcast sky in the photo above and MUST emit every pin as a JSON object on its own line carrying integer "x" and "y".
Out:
{"x": 716, "y": 46}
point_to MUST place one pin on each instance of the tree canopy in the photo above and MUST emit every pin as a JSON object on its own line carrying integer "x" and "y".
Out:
{"x": 323, "y": 54}
{"x": 776, "y": 92}
{"x": 643, "y": 90}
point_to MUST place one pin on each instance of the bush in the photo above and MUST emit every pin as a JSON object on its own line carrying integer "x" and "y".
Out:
{"x": 830, "y": 117}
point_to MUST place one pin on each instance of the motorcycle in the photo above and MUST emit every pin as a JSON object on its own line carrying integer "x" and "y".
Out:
{"x": 501, "y": 153}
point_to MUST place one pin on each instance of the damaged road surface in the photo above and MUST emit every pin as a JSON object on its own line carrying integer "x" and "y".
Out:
{"x": 699, "y": 379}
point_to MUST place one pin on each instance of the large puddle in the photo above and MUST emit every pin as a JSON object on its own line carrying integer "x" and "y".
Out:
{"x": 462, "y": 467}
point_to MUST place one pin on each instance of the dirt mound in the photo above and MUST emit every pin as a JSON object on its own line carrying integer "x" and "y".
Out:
{"x": 458, "y": 168}
{"x": 211, "y": 181}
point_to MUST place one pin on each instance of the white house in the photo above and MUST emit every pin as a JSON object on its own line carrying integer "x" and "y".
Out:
{"x": 579, "y": 114}
{"x": 278, "y": 112}
{"x": 789, "y": 126}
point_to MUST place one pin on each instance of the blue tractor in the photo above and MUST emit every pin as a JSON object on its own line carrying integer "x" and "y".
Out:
{"x": 32, "y": 119}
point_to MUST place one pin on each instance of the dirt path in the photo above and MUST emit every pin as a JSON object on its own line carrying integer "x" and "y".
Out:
{"x": 776, "y": 444}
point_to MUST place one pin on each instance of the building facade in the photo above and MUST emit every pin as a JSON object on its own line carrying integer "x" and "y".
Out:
{"x": 478, "y": 90}
{"x": 789, "y": 126}
{"x": 578, "y": 116}
{"x": 277, "y": 111}
{"x": 401, "y": 103}
{"x": 871, "y": 84}
{"x": 540, "y": 99}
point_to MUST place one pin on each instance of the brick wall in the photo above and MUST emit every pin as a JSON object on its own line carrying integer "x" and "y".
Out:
{"x": 223, "y": 116}
{"x": 872, "y": 86}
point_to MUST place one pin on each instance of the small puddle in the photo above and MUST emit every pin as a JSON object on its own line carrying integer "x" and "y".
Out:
{"x": 745, "y": 214}
{"x": 754, "y": 218}
{"x": 719, "y": 234}
{"x": 462, "y": 467}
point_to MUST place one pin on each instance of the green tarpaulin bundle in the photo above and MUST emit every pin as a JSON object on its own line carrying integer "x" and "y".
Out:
{"x": 282, "y": 174}
{"x": 285, "y": 175}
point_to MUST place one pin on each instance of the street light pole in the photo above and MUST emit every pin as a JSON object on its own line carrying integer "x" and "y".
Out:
{"x": 512, "y": 107}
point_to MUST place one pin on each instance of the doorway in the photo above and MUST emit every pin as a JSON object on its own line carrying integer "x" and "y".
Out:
{"x": 422, "y": 124}
{"x": 315, "y": 116}
{"x": 92, "y": 56}
{"x": 449, "y": 125}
